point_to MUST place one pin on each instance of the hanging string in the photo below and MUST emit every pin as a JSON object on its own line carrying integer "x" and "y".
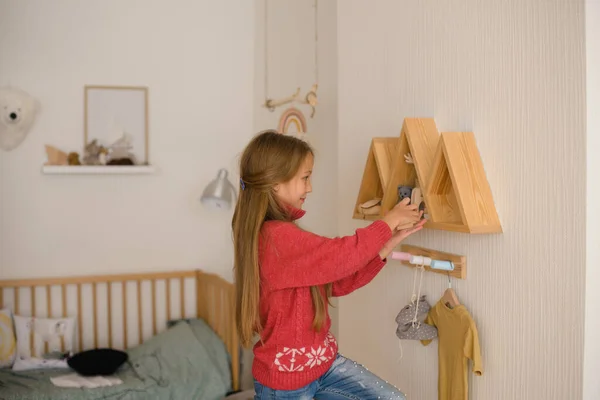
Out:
{"x": 316, "y": 57}
{"x": 266, "y": 52}
{"x": 422, "y": 268}
{"x": 415, "y": 297}
{"x": 401, "y": 352}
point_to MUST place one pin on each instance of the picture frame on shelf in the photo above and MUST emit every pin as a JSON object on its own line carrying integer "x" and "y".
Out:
{"x": 116, "y": 117}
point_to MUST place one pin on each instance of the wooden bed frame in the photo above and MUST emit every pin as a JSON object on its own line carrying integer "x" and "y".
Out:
{"x": 213, "y": 300}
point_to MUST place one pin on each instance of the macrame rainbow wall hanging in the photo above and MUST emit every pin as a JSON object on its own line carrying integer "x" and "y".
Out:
{"x": 292, "y": 122}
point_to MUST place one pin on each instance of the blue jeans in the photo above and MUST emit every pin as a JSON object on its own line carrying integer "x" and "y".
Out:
{"x": 344, "y": 380}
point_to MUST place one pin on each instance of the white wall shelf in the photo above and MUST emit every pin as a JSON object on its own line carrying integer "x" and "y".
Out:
{"x": 97, "y": 169}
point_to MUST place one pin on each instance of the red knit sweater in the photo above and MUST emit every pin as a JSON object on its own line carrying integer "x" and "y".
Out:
{"x": 292, "y": 354}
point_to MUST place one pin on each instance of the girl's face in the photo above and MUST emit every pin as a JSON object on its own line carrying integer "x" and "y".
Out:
{"x": 295, "y": 190}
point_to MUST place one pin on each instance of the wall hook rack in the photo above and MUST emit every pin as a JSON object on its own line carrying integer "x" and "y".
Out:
{"x": 453, "y": 265}
{"x": 443, "y": 265}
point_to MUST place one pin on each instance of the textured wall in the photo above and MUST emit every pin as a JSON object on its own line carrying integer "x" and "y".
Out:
{"x": 591, "y": 386}
{"x": 512, "y": 72}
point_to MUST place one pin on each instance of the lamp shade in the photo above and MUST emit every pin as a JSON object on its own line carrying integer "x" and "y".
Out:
{"x": 219, "y": 193}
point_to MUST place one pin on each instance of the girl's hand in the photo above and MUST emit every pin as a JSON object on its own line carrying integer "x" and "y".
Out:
{"x": 402, "y": 215}
{"x": 398, "y": 237}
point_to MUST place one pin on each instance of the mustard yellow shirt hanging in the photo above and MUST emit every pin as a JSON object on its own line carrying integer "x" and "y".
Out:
{"x": 458, "y": 343}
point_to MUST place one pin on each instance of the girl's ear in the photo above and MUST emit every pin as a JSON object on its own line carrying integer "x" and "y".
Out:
{"x": 276, "y": 187}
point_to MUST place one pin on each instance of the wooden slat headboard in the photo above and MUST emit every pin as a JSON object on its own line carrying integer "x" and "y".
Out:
{"x": 166, "y": 295}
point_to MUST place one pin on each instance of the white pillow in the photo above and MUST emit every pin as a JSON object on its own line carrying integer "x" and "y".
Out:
{"x": 8, "y": 342}
{"x": 24, "y": 364}
{"x": 57, "y": 332}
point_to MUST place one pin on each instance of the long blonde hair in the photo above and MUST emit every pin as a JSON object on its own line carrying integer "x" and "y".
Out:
{"x": 270, "y": 158}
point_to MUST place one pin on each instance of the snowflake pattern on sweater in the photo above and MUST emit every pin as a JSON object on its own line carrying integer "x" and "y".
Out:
{"x": 294, "y": 360}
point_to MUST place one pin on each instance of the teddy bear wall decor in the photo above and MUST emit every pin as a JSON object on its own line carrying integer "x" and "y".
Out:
{"x": 18, "y": 112}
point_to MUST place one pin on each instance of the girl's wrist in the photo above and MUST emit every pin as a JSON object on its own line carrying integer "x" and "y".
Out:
{"x": 385, "y": 252}
{"x": 388, "y": 248}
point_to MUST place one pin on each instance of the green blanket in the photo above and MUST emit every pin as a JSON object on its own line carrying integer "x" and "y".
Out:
{"x": 187, "y": 361}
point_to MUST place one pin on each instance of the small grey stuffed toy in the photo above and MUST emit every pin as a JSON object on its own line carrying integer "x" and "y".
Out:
{"x": 409, "y": 328}
{"x": 403, "y": 192}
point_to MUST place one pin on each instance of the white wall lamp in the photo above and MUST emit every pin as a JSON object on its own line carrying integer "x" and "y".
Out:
{"x": 219, "y": 193}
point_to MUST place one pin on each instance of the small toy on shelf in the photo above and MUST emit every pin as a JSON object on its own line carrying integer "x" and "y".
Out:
{"x": 417, "y": 198}
{"x": 403, "y": 192}
{"x": 102, "y": 155}
{"x": 55, "y": 156}
{"x": 73, "y": 158}
{"x": 370, "y": 207}
{"x": 423, "y": 207}
{"x": 120, "y": 151}
{"x": 120, "y": 161}
{"x": 91, "y": 155}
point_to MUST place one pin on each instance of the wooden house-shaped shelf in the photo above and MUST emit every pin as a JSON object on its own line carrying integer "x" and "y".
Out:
{"x": 446, "y": 167}
{"x": 386, "y": 168}
{"x": 458, "y": 194}
{"x": 377, "y": 173}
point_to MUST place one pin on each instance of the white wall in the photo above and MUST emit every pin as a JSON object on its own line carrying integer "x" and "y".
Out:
{"x": 291, "y": 60}
{"x": 197, "y": 58}
{"x": 513, "y": 73}
{"x": 591, "y": 383}
{"x": 291, "y": 64}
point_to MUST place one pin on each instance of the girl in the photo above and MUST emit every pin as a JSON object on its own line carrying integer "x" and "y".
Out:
{"x": 285, "y": 276}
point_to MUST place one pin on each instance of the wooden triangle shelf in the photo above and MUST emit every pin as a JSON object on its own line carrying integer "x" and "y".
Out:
{"x": 458, "y": 194}
{"x": 447, "y": 170}
{"x": 376, "y": 176}
{"x": 386, "y": 168}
